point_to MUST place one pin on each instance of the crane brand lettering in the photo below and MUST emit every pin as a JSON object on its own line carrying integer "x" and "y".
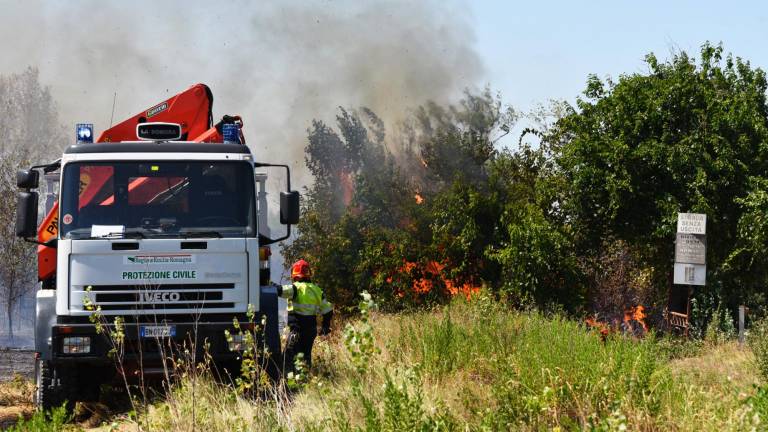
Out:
{"x": 158, "y": 109}
{"x": 159, "y": 259}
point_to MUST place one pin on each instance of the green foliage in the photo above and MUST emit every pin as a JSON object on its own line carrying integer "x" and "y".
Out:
{"x": 537, "y": 260}
{"x": 480, "y": 365}
{"x": 685, "y": 136}
{"x": 720, "y": 328}
{"x": 52, "y": 421}
{"x": 249, "y": 341}
{"x": 759, "y": 403}
{"x": 402, "y": 408}
{"x": 574, "y": 373}
{"x": 358, "y": 338}
{"x": 758, "y": 342}
{"x": 678, "y": 348}
{"x": 584, "y": 219}
{"x": 447, "y": 199}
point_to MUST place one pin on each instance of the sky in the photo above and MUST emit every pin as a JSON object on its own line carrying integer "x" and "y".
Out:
{"x": 282, "y": 64}
{"x": 534, "y": 51}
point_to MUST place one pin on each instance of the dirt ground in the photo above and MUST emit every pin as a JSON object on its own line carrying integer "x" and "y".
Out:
{"x": 16, "y": 370}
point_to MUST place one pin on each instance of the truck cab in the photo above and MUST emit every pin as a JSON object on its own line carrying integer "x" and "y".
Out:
{"x": 170, "y": 237}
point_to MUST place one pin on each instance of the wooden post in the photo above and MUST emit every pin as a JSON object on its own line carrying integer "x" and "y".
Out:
{"x": 688, "y": 311}
{"x": 742, "y": 313}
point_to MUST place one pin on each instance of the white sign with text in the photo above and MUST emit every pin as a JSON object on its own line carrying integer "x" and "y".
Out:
{"x": 691, "y": 223}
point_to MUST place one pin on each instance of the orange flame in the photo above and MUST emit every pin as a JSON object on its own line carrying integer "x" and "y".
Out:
{"x": 637, "y": 314}
{"x": 347, "y": 187}
{"x": 431, "y": 273}
{"x": 600, "y": 326}
{"x": 423, "y": 162}
{"x": 419, "y": 198}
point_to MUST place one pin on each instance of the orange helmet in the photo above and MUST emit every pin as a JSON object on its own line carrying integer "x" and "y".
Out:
{"x": 300, "y": 270}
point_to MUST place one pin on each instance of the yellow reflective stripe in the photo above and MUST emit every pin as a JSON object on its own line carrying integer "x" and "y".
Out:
{"x": 325, "y": 307}
{"x": 305, "y": 309}
{"x": 302, "y": 313}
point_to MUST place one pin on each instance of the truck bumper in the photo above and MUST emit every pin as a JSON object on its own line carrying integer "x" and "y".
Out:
{"x": 190, "y": 341}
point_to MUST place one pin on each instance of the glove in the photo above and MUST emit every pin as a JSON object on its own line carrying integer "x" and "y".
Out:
{"x": 277, "y": 287}
{"x": 326, "y": 327}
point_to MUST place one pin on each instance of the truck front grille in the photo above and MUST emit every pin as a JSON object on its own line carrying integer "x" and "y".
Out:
{"x": 175, "y": 287}
{"x": 161, "y": 297}
{"x": 168, "y": 306}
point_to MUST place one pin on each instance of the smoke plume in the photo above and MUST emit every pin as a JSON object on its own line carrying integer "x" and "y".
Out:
{"x": 278, "y": 65}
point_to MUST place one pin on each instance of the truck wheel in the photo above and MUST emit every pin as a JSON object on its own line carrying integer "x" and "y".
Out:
{"x": 50, "y": 394}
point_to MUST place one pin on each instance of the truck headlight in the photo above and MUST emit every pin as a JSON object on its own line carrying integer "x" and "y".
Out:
{"x": 236, "y": 342}
{"x": 76, "y": 345}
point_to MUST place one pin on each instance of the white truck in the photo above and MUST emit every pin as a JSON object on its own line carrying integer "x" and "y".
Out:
{"x": 168, "y": 235}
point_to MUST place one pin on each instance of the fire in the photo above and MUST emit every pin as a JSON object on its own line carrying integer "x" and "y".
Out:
{"x": 430, "y": 274}
{"x": 419, "y": 198}
{"x": 347, "y": 187}
{"x": 600, "y": 326}
{"x": 423, "y": 162}
{"x": 632, "y": 324}
{"x": 636, "y": 314}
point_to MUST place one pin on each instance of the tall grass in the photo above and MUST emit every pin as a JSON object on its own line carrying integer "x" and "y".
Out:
{"x": 479, "y": 366}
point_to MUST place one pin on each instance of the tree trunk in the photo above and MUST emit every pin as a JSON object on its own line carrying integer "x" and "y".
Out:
{"x": 10, "y": 319}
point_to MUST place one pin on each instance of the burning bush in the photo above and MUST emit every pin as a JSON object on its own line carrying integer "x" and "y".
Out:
{"x": 442, "y": 214}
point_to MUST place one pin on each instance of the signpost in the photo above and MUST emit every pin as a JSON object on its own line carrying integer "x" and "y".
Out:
{"x": 690, "y": 267}
{"x": 691, "y": 249}
{"x": 690, "y": 274}
{"x": 692, "y": 223}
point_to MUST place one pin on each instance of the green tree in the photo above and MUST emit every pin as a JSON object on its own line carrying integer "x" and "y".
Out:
{"x": 448, "y": 209}
{"x": 686, "y": 136}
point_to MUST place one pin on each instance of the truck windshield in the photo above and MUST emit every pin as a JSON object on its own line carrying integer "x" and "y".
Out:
{"x": 157, "y": 199}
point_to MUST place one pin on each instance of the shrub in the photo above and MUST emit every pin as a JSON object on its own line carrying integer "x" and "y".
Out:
{"x": 53, "y": 421}
{"x": 720, "y": 327}
{"x": 758, "y": 341}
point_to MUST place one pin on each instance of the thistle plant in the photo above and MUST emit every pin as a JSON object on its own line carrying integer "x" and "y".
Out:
{"x": 358, "y": 338}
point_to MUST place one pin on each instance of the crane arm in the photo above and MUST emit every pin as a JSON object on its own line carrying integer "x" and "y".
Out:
{"x": 192, "y": 109}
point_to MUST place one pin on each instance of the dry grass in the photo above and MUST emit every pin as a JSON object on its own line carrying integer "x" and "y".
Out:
{"x": 725, "y": 366}
{"x": 478, "y": 366}
{"x": 710, "y": 391}
{"x": 15, "y": 400}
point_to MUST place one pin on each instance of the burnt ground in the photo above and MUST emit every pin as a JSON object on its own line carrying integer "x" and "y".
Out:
{"x": 15, "y": 361}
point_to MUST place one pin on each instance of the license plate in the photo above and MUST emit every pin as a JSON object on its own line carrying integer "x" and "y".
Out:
{"x": 161, "y": 331}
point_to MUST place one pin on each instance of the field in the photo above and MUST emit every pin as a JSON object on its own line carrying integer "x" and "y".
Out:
{"x": 475, "y": 366}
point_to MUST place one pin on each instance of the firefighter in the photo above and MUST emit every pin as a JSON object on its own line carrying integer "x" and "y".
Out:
{"x": 307, "y": 302}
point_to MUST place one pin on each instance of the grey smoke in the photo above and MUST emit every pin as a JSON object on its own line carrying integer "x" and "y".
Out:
{"x": 278, "y": 65}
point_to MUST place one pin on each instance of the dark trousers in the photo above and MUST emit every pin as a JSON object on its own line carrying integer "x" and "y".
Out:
{"x": 302, "y": 337}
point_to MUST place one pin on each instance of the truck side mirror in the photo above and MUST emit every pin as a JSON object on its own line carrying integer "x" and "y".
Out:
{"x": 26, "y": 214}
{"x": 27, "y": 179}
{"x": 289, "y": 208}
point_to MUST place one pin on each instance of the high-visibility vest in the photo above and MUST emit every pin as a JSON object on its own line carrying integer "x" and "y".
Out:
{"x": 306, "y": 298}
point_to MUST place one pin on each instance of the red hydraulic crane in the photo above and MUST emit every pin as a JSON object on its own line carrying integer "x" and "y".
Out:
{"x": 192, "y": 109}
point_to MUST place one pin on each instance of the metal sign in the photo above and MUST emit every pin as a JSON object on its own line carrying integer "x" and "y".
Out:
{"x": 158, "y": 131}
{"x": 690, "y": 274}
{"x": 691, "y": 249}
{"x": 692, "y": 223}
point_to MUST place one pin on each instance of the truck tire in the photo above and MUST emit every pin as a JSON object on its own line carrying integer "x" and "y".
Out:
{"x": 49, "y": 392}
